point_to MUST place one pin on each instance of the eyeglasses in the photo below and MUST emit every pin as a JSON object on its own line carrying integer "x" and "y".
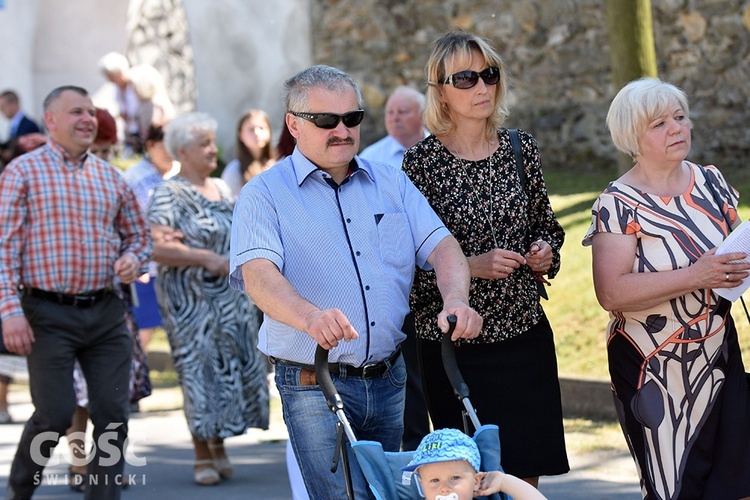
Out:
{"x": 331, "y": 120}
{"x": 467, "y": 79}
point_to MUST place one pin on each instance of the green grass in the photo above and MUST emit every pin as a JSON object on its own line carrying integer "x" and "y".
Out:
{"x": 163, "y": 379}
{"x": 585, "y": 436}
{"x": 159, "y": 340}
{"x": 577, "y": 319}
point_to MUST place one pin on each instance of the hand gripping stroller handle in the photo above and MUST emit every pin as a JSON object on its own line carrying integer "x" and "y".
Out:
{"x": 324, "y": 380}
{"x": 448, "y": 351}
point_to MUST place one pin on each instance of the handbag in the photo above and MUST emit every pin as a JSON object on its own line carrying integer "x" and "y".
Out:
{"x": 715, "y": 196}
{"x": 516, "y": 143}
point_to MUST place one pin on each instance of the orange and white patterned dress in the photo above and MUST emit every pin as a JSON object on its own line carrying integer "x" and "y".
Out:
{"x": 677, "y": 374}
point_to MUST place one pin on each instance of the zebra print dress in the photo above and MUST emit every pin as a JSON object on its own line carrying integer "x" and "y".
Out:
{"x": 212, "y": 328}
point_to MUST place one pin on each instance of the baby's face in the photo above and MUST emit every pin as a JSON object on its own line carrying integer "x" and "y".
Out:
{"x": 442, "y": 480}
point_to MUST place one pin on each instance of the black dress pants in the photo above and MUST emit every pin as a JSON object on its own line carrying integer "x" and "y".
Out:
{"x": 98, "y": 337}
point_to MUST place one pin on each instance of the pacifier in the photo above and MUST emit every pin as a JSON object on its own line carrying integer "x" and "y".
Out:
{"x": 452, "y": 496}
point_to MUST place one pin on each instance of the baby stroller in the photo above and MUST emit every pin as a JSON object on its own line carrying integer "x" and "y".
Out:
{"x": 382, "y": 469}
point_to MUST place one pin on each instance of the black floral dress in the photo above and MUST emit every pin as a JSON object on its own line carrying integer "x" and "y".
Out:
{"x": 511, "y": 368}
{"x": 476, "y": 200}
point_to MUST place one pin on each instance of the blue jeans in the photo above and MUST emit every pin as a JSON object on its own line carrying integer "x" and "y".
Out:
{"x": 374, "y": 408}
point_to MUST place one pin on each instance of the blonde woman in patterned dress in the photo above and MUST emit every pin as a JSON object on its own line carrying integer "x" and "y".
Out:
{"x": 212, "y": 329}
{"x": 510, "y": 236}
{"x": 677, "y": 375}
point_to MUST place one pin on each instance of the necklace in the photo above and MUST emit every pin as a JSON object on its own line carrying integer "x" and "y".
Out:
{"x": 489, "y": 216}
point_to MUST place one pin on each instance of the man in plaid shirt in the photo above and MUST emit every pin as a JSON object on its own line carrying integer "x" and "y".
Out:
{"x": 70, "y": 227}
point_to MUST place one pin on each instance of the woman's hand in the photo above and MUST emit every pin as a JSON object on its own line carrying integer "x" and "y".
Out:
{"x": 539, "y": 256}
{"x": 720, "y": 271}
{"x": 497, "y": 263}
{"x": 216, "y": 264}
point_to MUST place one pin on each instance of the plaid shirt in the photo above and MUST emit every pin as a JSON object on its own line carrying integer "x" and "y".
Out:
{"x": 63, "y": 223}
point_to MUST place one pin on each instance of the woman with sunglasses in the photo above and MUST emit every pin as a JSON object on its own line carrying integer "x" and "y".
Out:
{"x": 509, "y": 233}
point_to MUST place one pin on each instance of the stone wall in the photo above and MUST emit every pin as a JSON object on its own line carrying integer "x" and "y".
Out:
{"x": 557, "y": 54}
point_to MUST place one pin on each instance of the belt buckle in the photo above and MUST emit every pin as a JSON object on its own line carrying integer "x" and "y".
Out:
{"x": 370, "y": 367}
{"x": 83, "y": 301}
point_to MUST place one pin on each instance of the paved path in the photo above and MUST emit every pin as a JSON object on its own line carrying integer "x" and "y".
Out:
{"x": 162, "y": 438}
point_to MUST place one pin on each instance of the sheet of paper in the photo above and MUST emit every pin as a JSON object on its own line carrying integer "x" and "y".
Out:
{"x": 737, "y": 241}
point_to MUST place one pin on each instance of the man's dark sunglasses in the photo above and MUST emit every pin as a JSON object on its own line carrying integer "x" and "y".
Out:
{"x": 467, "y": 79}
{"x": 331, "y": 120}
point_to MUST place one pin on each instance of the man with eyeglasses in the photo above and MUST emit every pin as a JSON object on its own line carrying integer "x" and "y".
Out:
{"x": 326, "y": 245}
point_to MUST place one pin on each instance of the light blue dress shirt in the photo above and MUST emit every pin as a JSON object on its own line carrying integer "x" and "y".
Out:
{"x": 386, "y": 150}
{"x": 353, "y": 247}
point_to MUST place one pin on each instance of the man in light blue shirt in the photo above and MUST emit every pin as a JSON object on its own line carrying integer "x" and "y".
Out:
{"x": 404, "y": 122}
{"x": 326, "y": 245}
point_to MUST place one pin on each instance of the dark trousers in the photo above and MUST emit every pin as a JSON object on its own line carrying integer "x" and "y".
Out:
{"x": 99, "y": 339}
{"x": 416, "y": 419}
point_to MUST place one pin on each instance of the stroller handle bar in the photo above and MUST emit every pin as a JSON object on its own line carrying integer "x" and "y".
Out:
{"x": 449, "y": 361}
{"x": 333, "y": 399}
{"x": 448, "y": 352}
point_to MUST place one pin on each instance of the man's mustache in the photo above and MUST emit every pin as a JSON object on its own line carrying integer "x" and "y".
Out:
{"x": 336, "y": 140}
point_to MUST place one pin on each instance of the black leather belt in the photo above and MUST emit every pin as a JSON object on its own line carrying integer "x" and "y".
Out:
{"x": 369, "y": 370}
{"x": 82, "y": 301}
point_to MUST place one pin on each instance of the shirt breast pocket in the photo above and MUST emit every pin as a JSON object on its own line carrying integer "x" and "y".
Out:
{"x": 396, "y": 243}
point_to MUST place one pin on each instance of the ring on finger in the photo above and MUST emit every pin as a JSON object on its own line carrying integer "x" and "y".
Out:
{"x": 541, "y": 265}
{"x": 726, "y": 276}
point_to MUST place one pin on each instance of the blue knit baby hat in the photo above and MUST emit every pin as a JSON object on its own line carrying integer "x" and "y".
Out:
{"x": 444, "y": 445}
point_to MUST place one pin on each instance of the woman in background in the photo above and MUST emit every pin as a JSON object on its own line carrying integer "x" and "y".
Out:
{"x": 255, "y": 152}
{"x": 212, "y": 329}
{"x": 677, "y": 374}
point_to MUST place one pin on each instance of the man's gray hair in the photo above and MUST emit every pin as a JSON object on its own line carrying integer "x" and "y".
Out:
{"x": 415, "y": 95}
{"x": 55, "y": 95}
{"x": 185, "y": 129}
{"x": 296, "y": 89}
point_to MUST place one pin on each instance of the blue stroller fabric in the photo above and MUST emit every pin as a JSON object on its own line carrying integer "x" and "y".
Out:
{"x": 387, "y": 481}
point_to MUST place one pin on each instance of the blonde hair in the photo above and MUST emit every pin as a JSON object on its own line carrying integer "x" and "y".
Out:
{"x": 449, "y": 47}
{"x": 636, "y": 105}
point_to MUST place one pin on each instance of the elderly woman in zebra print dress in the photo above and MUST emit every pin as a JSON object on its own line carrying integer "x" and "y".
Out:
{"x": 212, "y": 329}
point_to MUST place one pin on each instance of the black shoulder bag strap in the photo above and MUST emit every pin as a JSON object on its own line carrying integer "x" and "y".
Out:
{"x": 719, "y": 204}
{"x": 516, "y": 143}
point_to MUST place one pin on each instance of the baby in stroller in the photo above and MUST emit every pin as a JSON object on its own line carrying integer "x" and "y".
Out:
{"x": 447, "y": 464}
